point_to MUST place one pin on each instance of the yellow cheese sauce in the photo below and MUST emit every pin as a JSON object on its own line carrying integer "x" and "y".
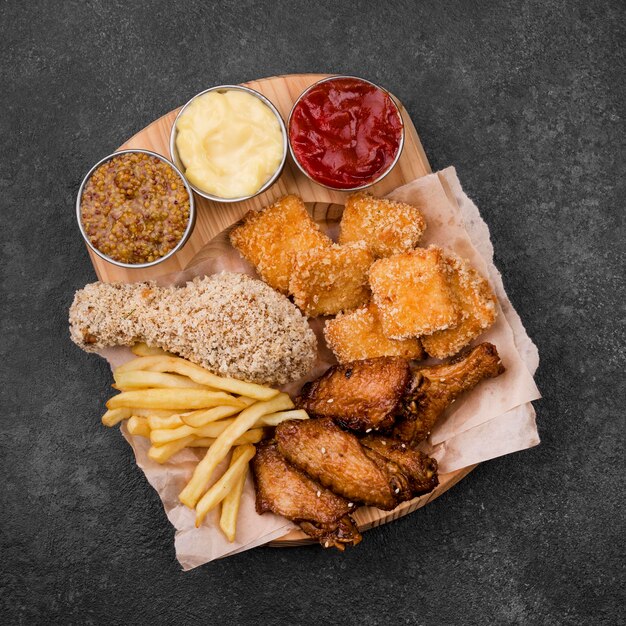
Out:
{"x": 229, "y": 142}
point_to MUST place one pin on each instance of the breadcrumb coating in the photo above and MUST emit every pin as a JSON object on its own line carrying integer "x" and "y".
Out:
{"x": 476, "y": 302}
{"x": 359, "y": 335}
{"x": 387, "y": 226}
{"x": 331, "y": 279}
{"x": 412, "y": 293}
{"x": 269, "y": 238}
{"x": 229, "y": 323}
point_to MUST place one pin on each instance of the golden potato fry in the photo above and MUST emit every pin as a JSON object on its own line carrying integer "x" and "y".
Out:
{"x": 230, "y": 504}
{"x": 199, "y": 375}
{"x": 269, "y": 238}
{"x": 331, "y": 279}
{"x": 140, "y": 412}
{"x": 226, "y": 483}
{"x": 412, "y": 294}
{"x": 273, "y": 419}
{"x": 138, "y": 426}
{"x": 125, "y": 381}
{"x": 142, "y": 349}
{"x": 115, "y": 416}
{"x": 197, "y": 419}
{"x": 218, "y": 451}
{"x": 183, "y": 399}
{"x": 166, "y": 435}
{"x": 386, "y": 226}
{"x": 163, "y": 453}
{"x": 477, "y": 302}
{"x": 172, "y": 421}
{"x": 359, "y": 335}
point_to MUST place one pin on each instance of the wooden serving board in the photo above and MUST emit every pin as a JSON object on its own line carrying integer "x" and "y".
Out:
{"x": 214, "y": 217}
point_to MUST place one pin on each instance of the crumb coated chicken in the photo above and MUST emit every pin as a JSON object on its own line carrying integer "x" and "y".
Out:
{"x": 229, "y": 323}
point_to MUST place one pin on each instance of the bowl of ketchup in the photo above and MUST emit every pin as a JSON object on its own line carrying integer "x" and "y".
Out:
{"x": 345, "y": 133}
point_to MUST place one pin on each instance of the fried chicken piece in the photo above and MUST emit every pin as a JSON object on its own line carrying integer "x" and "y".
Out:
{"x": 331, "y": 279}
{"x": 420, "y": 469}
{"x": 360, "y": 395}
{"x": 435, "y": 388}
{"x": 476, "y": 302}
{"x": 336, "y": 459}
{"x": 269, "y": 238}
{"x": 285, "y": 490}
{"x": 359, "y": 335}
{"x": 387, "y": 226}
{"x": 232, "y": 324}
{"x": 412, "y": 294}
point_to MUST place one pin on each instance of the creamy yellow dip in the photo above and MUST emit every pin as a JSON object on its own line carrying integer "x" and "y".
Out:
{"x": 230, "y": 143}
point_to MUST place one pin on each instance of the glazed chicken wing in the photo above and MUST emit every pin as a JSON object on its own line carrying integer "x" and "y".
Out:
{"x": 361, "y": 395}
{"x": 286, "y": 491}
{"x": 419, "y": 468}
{"x": 435, "y": 388}
{"x": 337, "y": 460}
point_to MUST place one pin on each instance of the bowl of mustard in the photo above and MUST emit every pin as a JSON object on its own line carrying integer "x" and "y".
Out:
{"x": 230, "y": 142}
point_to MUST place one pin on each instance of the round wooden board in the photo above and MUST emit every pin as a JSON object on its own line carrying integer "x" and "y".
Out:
{"x": 214, "y": 217}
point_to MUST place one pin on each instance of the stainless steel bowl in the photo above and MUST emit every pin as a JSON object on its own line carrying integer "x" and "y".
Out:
{"x": 176, "y": 158}
{"x": 179, "y": 245}
{"x": 391, "y": 165}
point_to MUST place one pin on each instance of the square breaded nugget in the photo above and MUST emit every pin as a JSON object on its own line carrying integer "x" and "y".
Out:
{"x": 476, "y": 302}
{"x": 331, "y": 279}
{"x": 359, "y": 335}
{"x": 412, "y": 293}
{"x": 388, "y": 227}
{"x": 269, "y": 238}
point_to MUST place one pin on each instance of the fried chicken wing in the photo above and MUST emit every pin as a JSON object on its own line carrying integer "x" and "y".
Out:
{"x": 287, "y": 491}
{"x": 337, "y": 460}
{"x": 420, "y": 469}
{"x": 361, "y": 395}
{"x": 435, "y": 388}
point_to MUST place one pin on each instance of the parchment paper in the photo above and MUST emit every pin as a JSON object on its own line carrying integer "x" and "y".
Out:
{"x": 495, "y": 419}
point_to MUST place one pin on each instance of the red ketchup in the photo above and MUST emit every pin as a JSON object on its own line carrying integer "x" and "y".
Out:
{"x": 345, "y": 133}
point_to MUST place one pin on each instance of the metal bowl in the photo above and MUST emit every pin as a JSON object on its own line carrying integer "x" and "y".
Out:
{"x": 179, "y": 245}
{"x": 391, "y": 165}
{"x": 176, "y": 158}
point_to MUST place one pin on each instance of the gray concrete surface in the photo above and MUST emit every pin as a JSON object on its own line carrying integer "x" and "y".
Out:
{"x": 525, "y": 99}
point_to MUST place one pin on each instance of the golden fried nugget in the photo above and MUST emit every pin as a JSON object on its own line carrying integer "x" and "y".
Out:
{"x": 388, "y": 227}
{"x": 269, "y": 238}
{"x": 328, "y": 280}
{"x": 477, "y": 304}
{"x": 412, "y": 293}
{"x": 359, "y": 335}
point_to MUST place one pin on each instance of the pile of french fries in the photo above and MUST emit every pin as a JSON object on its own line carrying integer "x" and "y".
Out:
{"x": 178, "y": 404}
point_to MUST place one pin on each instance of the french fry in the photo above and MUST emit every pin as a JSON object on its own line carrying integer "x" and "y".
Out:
{"x": 230, "y": 504}
{"x": 163, "y": 453}
{"x": 143, "y": 349}
{"x": 218, "y": 451}
{"x": 184, "y": 399}
{"x": 273, "y": 419}
{"x": 198, "y": 419}
{"x": 171, "y": 421}
{"x": 142, "y": 380}
{"x": 197, "y": 374}
{"x": 251, "y": 436}
{"x": 140, "y": 412}
{"x": 138, "y": 426}
{"x": 226, "y": 483}
{"x": 166, "y": 435}
{"x": 115, "y": 416}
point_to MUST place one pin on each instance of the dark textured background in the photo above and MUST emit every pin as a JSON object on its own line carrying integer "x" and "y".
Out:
{"x": 525, "y": 100}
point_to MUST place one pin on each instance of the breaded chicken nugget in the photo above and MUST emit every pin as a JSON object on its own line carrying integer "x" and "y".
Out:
{"x": 476, "y": 301}
{"x": 359, "y": 335}
{"x": 412, "y": 293}
{"x": 388, "y": 227}
{"x": 269, "y": 238}
{"x": 328, "y": 280}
